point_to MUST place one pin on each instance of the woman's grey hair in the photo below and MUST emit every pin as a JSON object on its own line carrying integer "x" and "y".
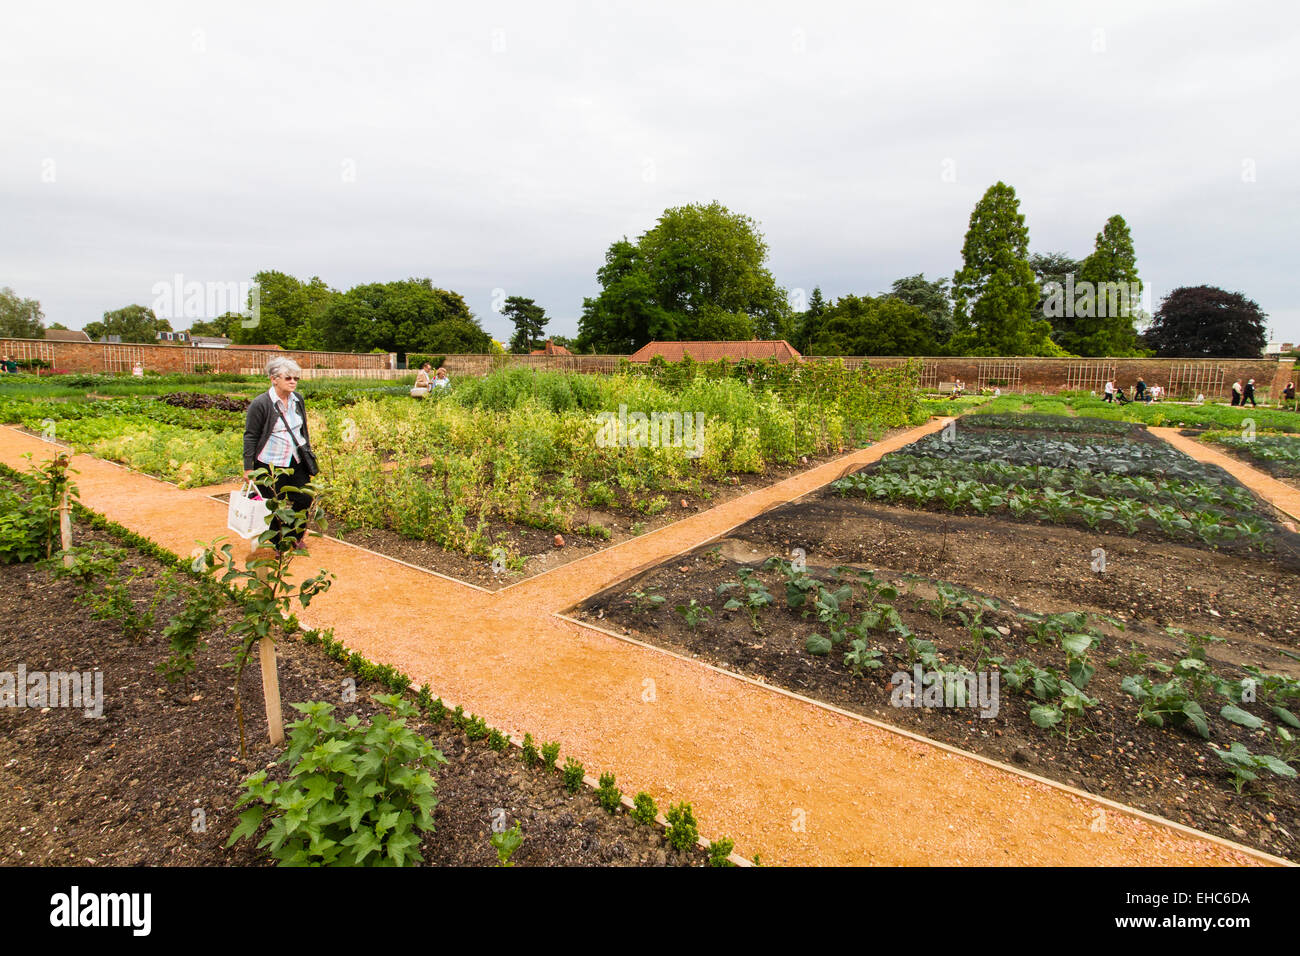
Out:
{"x": 278, "y": 367}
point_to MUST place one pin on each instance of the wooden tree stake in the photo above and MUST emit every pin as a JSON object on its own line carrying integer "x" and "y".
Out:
{"x": 271, "y": 691}
{"x": 65, "y": 528}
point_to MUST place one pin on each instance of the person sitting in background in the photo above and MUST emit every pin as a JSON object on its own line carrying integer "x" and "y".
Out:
{"x": 440, "y": 379}
{"x": 421, "y": 388}
{"x": 1288, "y": 396}
{"x": 9, "y": 365}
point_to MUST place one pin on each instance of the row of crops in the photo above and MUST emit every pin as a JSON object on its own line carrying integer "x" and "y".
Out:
{"x": 1067, "y": 471}
{"x": 863, "y": 622}
{"x": 1277, "y": 454}
{"x": 539, "y": 449}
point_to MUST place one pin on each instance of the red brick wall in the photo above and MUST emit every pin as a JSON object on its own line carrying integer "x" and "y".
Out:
{"x": 96, "y": 357}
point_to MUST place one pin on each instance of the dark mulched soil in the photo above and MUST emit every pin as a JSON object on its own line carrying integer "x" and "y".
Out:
{"x": 1250, "y": 602}
{"x": 124, "y": 790}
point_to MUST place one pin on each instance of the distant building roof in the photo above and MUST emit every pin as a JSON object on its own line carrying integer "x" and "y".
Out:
{"x": 66, "y": 335}
{"x": 550, "y": 348}
{"x": 778, "y": 349}
{"x": 211, "y": 340}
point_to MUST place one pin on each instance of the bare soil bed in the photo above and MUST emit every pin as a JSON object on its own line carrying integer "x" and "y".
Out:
{"x": 1250, "y": 601}
{"x": 123, "y": 790}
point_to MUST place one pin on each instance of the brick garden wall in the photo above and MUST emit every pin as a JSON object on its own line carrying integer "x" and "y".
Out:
{"x": 1184, "y": 378}
{"x": 96, "y": 357}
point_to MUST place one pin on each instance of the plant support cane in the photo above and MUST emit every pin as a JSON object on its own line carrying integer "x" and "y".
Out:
{"x": 271, "y": 690}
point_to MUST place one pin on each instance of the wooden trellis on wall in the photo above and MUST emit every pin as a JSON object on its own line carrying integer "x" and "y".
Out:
{"x": 1089, "y": 376}
{"x": 122, "y": 358}
{"x": 1003, "y": 375}
{"x": 26, "y": 351}
{"x": 1195, "y": 378}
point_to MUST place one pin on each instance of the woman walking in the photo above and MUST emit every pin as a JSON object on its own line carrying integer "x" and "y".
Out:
{"x": 275, "y": 433}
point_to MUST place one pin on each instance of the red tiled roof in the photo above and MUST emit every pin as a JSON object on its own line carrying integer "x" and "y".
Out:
{"x": 551, "y": 349}
{"x": 66, "y": 335}
{"x": 778, "y": 349}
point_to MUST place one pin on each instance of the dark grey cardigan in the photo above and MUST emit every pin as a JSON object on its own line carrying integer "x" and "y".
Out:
{"x": 260, "y": 421}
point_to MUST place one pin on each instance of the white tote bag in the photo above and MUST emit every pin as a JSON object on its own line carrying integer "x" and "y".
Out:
{"x": 248, "y": 515}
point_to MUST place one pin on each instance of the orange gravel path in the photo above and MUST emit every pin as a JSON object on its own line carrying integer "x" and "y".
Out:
{"x": 792, "y": 780}
{"x": 1277, "y": 493}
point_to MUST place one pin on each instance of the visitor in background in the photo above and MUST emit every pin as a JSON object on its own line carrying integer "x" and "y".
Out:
{"x": 440, "y": 379}
{"x": 1236, "y": 392}
{"x": 138, "y": 370}
{"x": 1140, "y": 391}
{"x": 1288, "y": 395}
{"x": 1110, "y": 392}
{"x": 421, "y": 382}
{"x": 1157, "y": 392}
{"x": 275, "y": 433}
{"x": 9, "y": 366}
{"x": 1249, "y": 394}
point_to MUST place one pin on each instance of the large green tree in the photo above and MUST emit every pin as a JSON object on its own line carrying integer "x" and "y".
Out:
{"x": 290, "y": 311}
{"x": 223, "y": 326}
{"x": 406, "y": 316}
{"x": 1207, "y": 322}
{"x": 20, "y": 318}
{"x": 1107, "y": 304}
{"x": 932, "y": 298}
{"x": 133, "y": 323}
{"x": 994, "y": 292}
{"x": 530, "y": 322}
{"x": 699, "y": 273}
{"x": 873, "y": 326}
{"x": 809, "y": 322}
{"x": 1054, "y": 270}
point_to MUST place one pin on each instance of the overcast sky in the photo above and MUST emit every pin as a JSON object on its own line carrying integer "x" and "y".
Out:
{"x": 505, "y": 147}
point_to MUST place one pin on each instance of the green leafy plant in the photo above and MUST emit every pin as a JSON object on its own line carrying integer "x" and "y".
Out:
{"x": 476, "y": 727}
{"x": 185, "y": 629}
{"x": 720, "y": 850}
{"x": 609, "y": 796}
{"x": 644, "y": 809}
{"x": 1243, "y": 764}
{"x": 358, "y": 794}
{"x": 1164, "y": 703}
{"x": 528, "y": 753}
{"x": 573, "y": 774}
{"x": 506, "y": 842}
{"x": 498, "y": 741}
{"x": 682, "y": 831}
{"x": 550, "y": 753}
{"x": 694, "y": 613}
{"x": 643, "y": 601}
{"x": 757, "y": 596}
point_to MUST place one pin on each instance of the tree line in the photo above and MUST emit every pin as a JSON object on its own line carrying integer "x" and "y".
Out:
{"x": 701, "y": 273}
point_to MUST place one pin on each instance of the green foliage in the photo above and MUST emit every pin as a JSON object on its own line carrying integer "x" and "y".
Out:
{"x": 530, "y": 321}
{"x": 644, "y": 809}
{"x": 498, "y": 741}
{"x": 720, "y": 850}
{"x": 609, "y": 796}
{"x": 995, "y": 292}
{"x": 20, "y": 318}
{"x": 185, "y": 629}
{"x": 682, "y": 831}
{"x": 1243, "y": 765}
{"x": 134, "y": 323}
{"x": 506, "y": 842}
{"x": 756, "y": 595}
{"x": 1207, "y": 322}
{"x": 700, "y": 273}
{"x": 643, "y": 600}
{"x": 866, "y": 326}
{"x": 550, "y": 753}
{"x": 528, "y": 753}
{"x": 694, "y": 613}
{"x": 1169, "y": 702}
{"x": 573, "y": 773}
{"x": 476, "y": 728}
{"x": 357, "y": 794}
